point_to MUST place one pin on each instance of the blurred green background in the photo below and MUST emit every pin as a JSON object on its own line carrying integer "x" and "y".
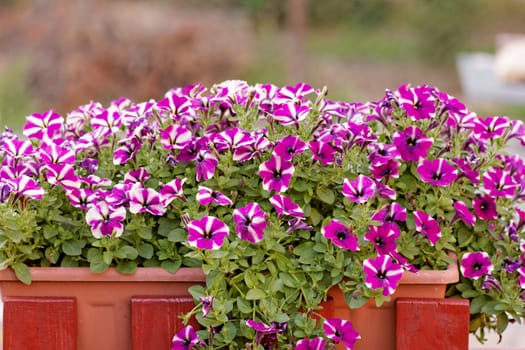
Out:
{"x": 63, "y": 53}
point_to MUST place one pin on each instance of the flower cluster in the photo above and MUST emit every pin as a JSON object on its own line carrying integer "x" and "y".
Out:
{"x": 279, "y": 194}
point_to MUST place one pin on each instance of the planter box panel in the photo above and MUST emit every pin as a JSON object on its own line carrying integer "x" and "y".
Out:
{"x": 438, "y": 324}
{"x": 155, "y": 320}
{"x": 39, "y": 323}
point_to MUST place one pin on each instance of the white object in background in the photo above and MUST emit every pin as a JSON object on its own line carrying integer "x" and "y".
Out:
{"x": 509, "y": 64}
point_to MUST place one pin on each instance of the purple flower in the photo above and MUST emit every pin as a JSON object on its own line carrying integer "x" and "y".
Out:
{"x": 186, "y": 339}
{"x": 322, "y": 152}
{"x": 485, "y": 207}
{"x": 291, "y": 113}
{"x": 289, "y": 146}
{"x": 463, "y": 214}
{"x": 412, "y": 144}
{"x": 391, "y": 213}
{"x": 475, "y": 265}
{"x": 382, "y": 272}
{"x": 491, "y": 127}
{"x": 136, "y": 176}
{"x": 339, "y": 330}
{"x": 499, "y": 183}
{"x": 25, "y": 186}
{"x": 384, "y": 169}
{"x": 206, "y": 196}
{"x": 207, "y": 305}
{"x": 231, "y": 139}
{"x": 285, "y": 206}
{"x": 172, "y": 190}
{"x": 175, "y": 137}
{"x": 340, "y": 235}
{"x": 276, "y": 174}
{"x": 383, "y": 237}
{"x": 106, "y": 220}
{"x": 127, "y": 151}
{"x": 62, "y": 175}
{"x": 145, "y": 200}
{"x": 418, "y": 102}
{"x": 205, "y": 164}
{"x": 359, "y": 190}
{"x": 427, "y": 226}
{"x": 250, "y": 222}
{"x": 267, "y": 335}
{"x": 45, "y": 126}
{"x": 437, "y": 172}
{"x": 311, "y": 344}
{"x": 81, "y": 197}
{"x": 51, "y": 153}
{"x": 207, "y": 233}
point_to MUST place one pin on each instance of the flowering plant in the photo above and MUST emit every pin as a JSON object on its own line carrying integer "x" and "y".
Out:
{"x": 279, "y": 194}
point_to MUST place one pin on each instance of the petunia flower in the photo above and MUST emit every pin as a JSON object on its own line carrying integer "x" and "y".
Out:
{"x": 126, "y": 151}
{"x": 175, "y": 137}
{"x": 186, "y": 339}
{"x": 463, "y": 214}
{"x": 267, "y": 335}
{"x": 427, "y": 226}
{"x": 322, "y": 152}
{"x": 382, "y": 272}
{"x": 412, "y": 144}
{"x": 24, "y": 186}
{"x": 276, "y": 174}
{"x": 359, "y": 190}
{"x": 105, "y": 220}
{"x": 250, "y": 222}
{"x": 475, "y": 265}
{"x": 207, "y": 233}
{"x": 205, "y": 164}
{"x": 341, "y": 331}
{"x": 145, "y": 200}
{"x": 289, "y": 146}
{"x": 383, "y": 237}
{"x": 43, "y": 126}
{"x": 485, "y": 207}
{"x": 207, "y": 304}
{"x": 311, "y": 344}
{"x": 340, "y": 235}
{"x": 437, "y": 172}
{"x": 490, "y": 127}
{"x": 418, "y": 102}
{"x": 205, "y": 196}
{"x": 499, "y": 183}
{"x": 172, "y": 190}
{"x": 291, "y": 113}
{"x": 285, "y": 206}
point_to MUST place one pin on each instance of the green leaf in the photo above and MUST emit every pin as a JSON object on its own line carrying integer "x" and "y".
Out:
{"x": 171, "y": 265}
{"x": 127, "y": 267}
{"x": 197, "y": 292}
{"x": 127, "y": 252}
{"x": 22, "y": 273}
{"x": 107, "y": 256}
{"x": 97, "y": 264}
{"x": 325, "y": 195}
{"x": 177, "y": 235}
{"x": 244, "y": 306}
{"x": 255, "y": 294}
{"x": 145, "y": 250}
{"x": 73, "y": 247}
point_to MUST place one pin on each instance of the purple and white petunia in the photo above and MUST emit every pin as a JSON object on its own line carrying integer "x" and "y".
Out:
{"x": 289, "y": 146}
{"x": 475, "y": 265}
{"x": 43, "y": 126}
{"x": 485, "y": 207}
{"x": 311, "y": 344}
{"x": 340, "y": 235}
{"x": 285, "y": 206}
{"x": 463, "y": 213}
{"x": 359, "y": 190}
{"x": 499, "y": 183}
{"x": 412, "y": 144}
{"x": 206, "y": 196}
{"x": 427, "y": 226}
{"x": 437, "y": 172}
{"x": 205, "y": 164}
{"x": 383, "y": 237}
{"x": 382, "y": 272}
{"x": 341, "y": 331}
{"x": 105, "y": 220}
{"x": 276, "y": 174}
{"x": 145, "y": 200}
{"x": 186, "y": 339}
{"x": 172, "y": 190}
{"x": 322, "y": 152}
{"x": 207, "y": 233}
{"x": 175, "y": 137}
{"x": 291, "y": 113}
{"x": 250, "y": 222}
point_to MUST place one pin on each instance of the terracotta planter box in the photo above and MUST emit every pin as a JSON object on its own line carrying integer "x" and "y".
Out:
{"x": 74, "y": 309}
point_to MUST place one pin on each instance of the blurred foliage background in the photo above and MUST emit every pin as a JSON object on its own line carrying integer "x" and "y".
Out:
{"x": 63, "y": 53}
